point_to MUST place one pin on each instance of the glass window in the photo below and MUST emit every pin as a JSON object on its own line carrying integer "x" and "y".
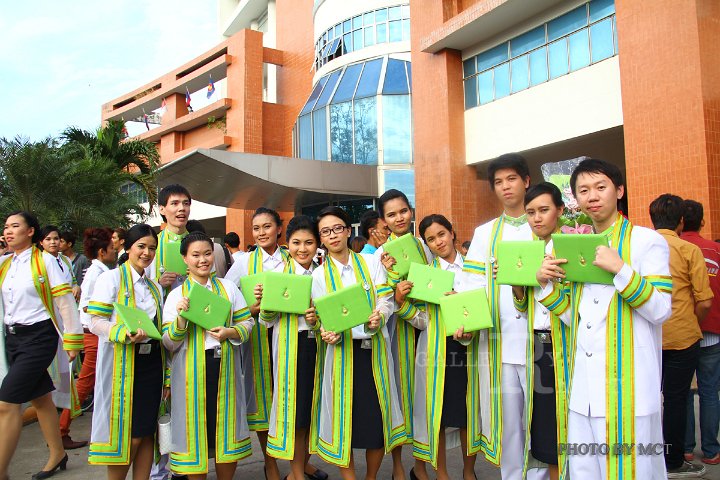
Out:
{"x": 485, "y": 87}
{"x": 314, "y": 95}
{"x": 397, "y": 129}
{"x": 347, "y": 26}
{"x": 492, "y": 57}
{"x": 406, "y": 11}
{"x": 357, "y": 22}
{"x": 381, "y": 32}
{"x": 366, "y": 142}
{"x": 341, "y": 141}
{"x": 381, "y": 15}
{"x": 357, "y": 39}
{"x": 538, "y": 66}
{"x": 395, "y": 13}
{"x": 601, "y": 40}
{"x": 502, "y": 81}
{"x": 406, "y": 29}
{"x": 469, "y": 67}
{"x": 558, "y": 60}
{"x": 527, "y": 41}
{"x": 520, "y": 79}
{"x": 396, "y": 31}
{"x": 369, "y": 36}
{"x": 305, "y": 133}
{"x": 579, "y": 50}
{"x": 615, "y": 34}
{"x": 319, "y": 118}
{"x": 328, "y": 90}
{"x": 395, "y": 78}
{"x": 601, "y": 9}
{"x": 368, "y": 18}
{"x": 471, "y": 94}
{"x": 408, "y": 68}
{"x": 338, "y": 30}
{"x": 347, "y": 43}
{"x": 346, "y": 88}
{"x": 403, "y": 180}
{"x": 369, "y": 79}
{"x": 569, "y": 22}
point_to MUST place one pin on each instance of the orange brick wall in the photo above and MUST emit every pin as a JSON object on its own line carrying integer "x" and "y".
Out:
{"x": 670, "y": 78}
{"x": 443, "y": 182}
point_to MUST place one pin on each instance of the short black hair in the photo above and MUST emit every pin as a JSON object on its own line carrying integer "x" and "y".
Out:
{"x": 121, "y": 233}
{"x": 597, "y": 166}
{"x": 47, "y": 230}
{"x": 31, "y": 221}
{"x": 541, "y": 189}
{"x": 193, "y": 237}
{"x": 136, "y": 232}
{"x": 391, "y": 194}
{"x": 195, "y": 226}
{"x": 335, "y": 212}
{"x": 232, "y": 239}
{"x": 666, "y": 211}
{"x": 302, "y": 222}
{"x": 369, "y": 219}
{"x": 173, "y": 189}
{"x": 435, "y": 218}
{"x": 513, "y": 161}
{"x": 68, "y": 236}
{"x": 692, "y": 215}
{"x": 466, "y": 244}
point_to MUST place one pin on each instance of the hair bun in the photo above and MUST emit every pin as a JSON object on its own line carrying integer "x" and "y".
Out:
{"x": 123, "y": 258}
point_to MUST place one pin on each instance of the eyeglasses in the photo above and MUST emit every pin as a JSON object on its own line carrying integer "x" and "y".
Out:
{"x": 337, "y": 229}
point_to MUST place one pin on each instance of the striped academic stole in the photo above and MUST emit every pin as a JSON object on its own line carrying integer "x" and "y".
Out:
{"x": 435, "y": 381}
{"x": 117, "y": 450}
{"x": 337, "y": 451}
{"x": 260, "y": 419}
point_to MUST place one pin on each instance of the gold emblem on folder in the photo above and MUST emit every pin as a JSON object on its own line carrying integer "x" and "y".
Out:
{"x": 406, "y": 256}
{"x": 582, "y": 260}
{"x": 207, "y": 309}
{"x": 344, "y": 310}
{"x": 519, "y": 263}
{"x": 286, "y": 294}
{"x": 429, "y": 285}
{"x": 465, "y": 312}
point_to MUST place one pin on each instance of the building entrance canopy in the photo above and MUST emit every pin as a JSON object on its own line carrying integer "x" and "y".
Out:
{"x": 249, "y": 180}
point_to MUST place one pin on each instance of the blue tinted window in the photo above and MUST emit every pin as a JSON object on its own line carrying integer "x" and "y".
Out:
{"x": 314, "y": 95}
{"x": 520, "y": 74}
{"x": 403, "y": 180}
{"x": 368, "y": 84}
{"x": 502, "y": 80}
{"x": 396, "y": 31}
{"x": 369, "y": 36}
{"x": 615, "y": 34}
{"x": 305, "y": 136}
{"x": 601, "y": 9}
{"x": 406, "y": 11}
{"x": 338, "y": 30}
{"x": 341, "y": 141}
{"x": 357, "y": 39}
{"x": 569, "y": 22}
{"x": 469, "y": 67}
{"x": 349, "y": 80}
{"x": 485, "y": 87}
{"x": 538, "y": 66}
{"x": 381, "y": 32}
{"x": 601, "y": 40}
{"x": 357, "y": 22}
{"x": 366, "y": 141}
{"x": 320, "y": 134}
{"x": 395, "y": 78}
{"x": 328, "y": 90}
{"x": 527, "y": 41}
{"x": 406, "y": 29}
{"x": 397, "y": 129}
{"x": 492, "y": 57}
{"x": 368, "y": 18}
{"x": 381, "y": 15}
{"x": 471, "y": 94}
{"x": 395, "y": 13}
{"x": 579, "y": 50}
{"x": 347, "y": 26}
{"x": 558, "y": 60}
{"x": 408, "y": 68}
{"x": 347, "y": 43}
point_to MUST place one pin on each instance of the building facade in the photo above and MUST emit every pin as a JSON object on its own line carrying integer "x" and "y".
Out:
{"x": 335, "y": 101}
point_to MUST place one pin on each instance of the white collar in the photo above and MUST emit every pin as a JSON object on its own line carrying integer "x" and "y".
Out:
{"x": 300, "y": 270}
{"x": 275, "y": 256}
{"x": 339, "y": 265}
{"x": 457, "y": 262}
{"x": 24, "y": 256}
{"x": 100, "y": 265}
{"x": 136, "y": 277}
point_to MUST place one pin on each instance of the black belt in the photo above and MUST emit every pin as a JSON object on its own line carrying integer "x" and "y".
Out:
{"x": 543, "y": 336}
{"x": 19, "y": 329}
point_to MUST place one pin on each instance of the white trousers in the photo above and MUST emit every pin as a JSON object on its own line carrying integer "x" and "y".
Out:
{"x": 513, "y": 418}
{"x": 586, "y": 429}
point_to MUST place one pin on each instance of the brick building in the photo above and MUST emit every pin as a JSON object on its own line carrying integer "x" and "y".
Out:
{"x": 334, "y": 101}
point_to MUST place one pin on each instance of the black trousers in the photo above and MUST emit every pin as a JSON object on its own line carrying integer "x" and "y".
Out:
{"x": 678, "y": 367}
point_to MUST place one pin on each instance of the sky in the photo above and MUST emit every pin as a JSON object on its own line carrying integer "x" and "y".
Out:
{"x": 61, "y": 60}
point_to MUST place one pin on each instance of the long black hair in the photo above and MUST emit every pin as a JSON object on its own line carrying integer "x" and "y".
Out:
{"x": 136, "y": 232}
{"x": 31, "y": 221}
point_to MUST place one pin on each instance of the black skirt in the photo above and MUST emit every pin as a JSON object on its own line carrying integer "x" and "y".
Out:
{"x": 543, "y": 425}
{"x": 305, "y": 379}
{"x": 147, "y": 389}
{"x": 30, "y": 350}
{"x": 367, "y": 428}
{"x": 454, "y": 411}
{"x": 212, "y": 378}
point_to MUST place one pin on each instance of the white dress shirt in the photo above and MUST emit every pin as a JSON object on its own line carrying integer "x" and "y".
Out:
{"x": 95, "y": 269}
{"x": 270, "y": 263}
{"x": 300, "y": 270}
{"x": 542, "y": 316}
{"x": 455, "y": 267}
{"x": 21, "y": 302}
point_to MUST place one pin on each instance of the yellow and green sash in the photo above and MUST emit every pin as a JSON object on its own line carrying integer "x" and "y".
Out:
{"x": 435, "y": 382}
{"x": 338, "y": 450}
{"x": 260, "y": 419}
{"x": 117, "y": 450}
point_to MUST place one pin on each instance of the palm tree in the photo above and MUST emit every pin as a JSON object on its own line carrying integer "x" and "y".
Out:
{"x": 139, "y": 158}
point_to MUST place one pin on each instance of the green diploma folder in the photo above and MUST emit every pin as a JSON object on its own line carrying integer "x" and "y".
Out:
{"x": 429, "y": 284}
{"x": 405, "y": 251}
{"x": 286, "y": 293}
{"x": 519, "y": 261}
{"x": 173, "y": 261}
{"x": 134, "y": 318}
{"x": 343, "y": 309}
{"x": 248, "y": 284}
{"x": 207, "y": 309}
{"x": 579, "y": 250}
{"x": 469, "y": 310}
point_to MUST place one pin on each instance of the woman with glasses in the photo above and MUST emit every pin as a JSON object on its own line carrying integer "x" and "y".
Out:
{"x": 358, "y": 406}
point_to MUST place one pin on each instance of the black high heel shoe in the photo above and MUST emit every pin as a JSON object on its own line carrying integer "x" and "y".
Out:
{"x": 62, "y": 465}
